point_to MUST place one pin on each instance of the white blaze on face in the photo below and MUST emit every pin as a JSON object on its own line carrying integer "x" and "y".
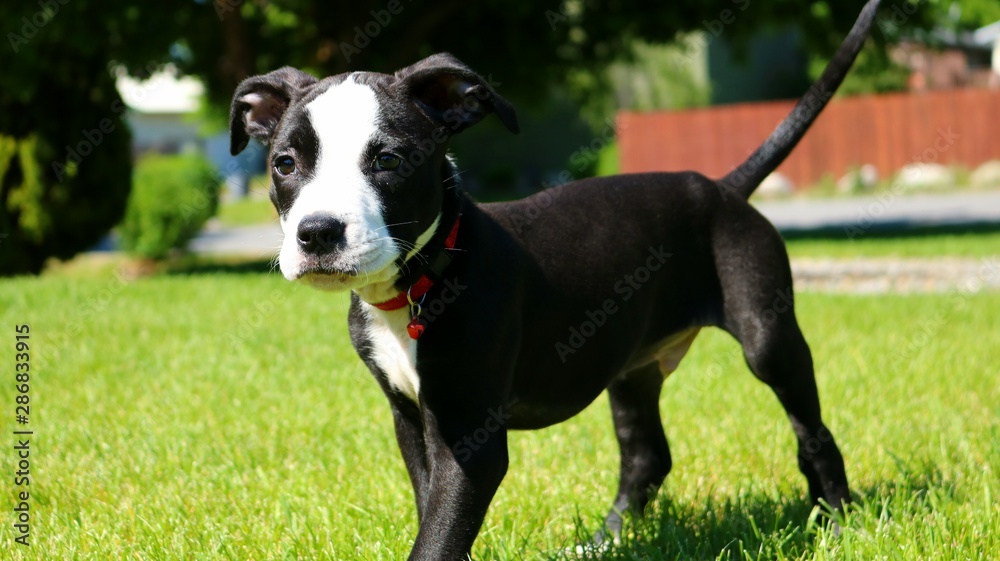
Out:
{"x": 345, "y": 118}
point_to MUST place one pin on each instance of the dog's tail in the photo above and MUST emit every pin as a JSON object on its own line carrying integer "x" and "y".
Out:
{"x": 748, "y": 175}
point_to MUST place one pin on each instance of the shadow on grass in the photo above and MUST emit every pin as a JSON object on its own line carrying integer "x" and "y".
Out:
{"x": 751, "y": 527}
{"x": 899, "y": 229}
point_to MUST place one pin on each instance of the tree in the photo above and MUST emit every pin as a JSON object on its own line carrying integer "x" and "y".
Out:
{"x": 526, "y": 46}
{"x": 64, "y": 147}
{"x": 56, "y": 88}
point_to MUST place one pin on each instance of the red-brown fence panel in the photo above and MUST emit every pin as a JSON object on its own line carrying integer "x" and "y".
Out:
{"x": 959, "y": 126}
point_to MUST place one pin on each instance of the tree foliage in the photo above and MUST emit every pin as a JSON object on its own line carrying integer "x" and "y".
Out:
{"x": 56, "y": 86}
{"x": 65, "y": 166}
{"x": 526, "y": 46}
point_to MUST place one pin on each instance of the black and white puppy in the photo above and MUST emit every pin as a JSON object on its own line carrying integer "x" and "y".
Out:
{"x": 480, "y": 318}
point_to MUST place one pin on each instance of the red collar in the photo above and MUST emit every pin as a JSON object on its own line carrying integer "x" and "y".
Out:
{"x": 423, "y": 284}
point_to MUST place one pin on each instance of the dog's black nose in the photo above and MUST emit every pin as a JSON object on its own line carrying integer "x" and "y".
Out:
{"x": 320, "y": 234}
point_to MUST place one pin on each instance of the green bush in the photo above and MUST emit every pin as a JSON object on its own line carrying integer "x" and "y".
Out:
{"x": 600, "y": 163}
{"x": 172, "y": 198}
{"x": 64, "y": 171}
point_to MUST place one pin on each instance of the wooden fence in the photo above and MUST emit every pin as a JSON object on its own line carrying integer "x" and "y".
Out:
{"x": 959, "y": 126}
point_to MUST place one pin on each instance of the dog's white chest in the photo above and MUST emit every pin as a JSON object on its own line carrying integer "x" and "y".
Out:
{"x": 393, "y": 350}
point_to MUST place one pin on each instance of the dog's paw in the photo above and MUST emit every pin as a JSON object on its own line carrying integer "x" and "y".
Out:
{"x": 594, "y": 549}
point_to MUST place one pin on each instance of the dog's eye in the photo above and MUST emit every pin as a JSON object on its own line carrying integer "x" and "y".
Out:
{"x": 284, "y": 165}
{"x": 386, "y": 162}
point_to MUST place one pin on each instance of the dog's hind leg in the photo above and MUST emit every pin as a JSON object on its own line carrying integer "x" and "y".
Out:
{"x": 780, "y": 358}
{"x": 645, "y": 455}
{"x": 759, "y": 312}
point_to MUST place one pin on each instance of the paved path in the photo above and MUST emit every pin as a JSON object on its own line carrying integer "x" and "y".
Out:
{"x": 883, "y": 212}
{"x": 257, "y": 241}
{"x": 857, "y": 275}
{"x": 868, "y": 275}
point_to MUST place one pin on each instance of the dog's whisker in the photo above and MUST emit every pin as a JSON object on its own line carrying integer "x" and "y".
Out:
{"x": 396, "y": 224}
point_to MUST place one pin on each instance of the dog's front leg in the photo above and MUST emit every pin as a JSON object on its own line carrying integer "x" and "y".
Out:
{"x": 410, "y": 437}
{"x": 467, "y": 460}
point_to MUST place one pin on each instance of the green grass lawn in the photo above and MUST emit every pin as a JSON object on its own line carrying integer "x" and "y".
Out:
{"x": 250, "y": 211}
{"x": 226, "y": 416}
{"x": 972, "y": 244}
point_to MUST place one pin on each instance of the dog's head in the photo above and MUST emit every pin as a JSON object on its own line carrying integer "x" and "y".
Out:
{"x": 358, "y": 161}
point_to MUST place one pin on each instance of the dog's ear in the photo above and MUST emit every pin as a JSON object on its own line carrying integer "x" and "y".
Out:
{"x": 451, "y": 94}
{"x": 259, "y": 103}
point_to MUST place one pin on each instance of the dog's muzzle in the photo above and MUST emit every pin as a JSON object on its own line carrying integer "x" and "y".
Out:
{"x": 321, "y": 235}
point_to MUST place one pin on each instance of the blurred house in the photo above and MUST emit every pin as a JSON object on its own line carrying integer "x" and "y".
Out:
{"x": 953, "y": 60}
{"x": 163, "y": 113}
{"x": 770, "y": 65}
